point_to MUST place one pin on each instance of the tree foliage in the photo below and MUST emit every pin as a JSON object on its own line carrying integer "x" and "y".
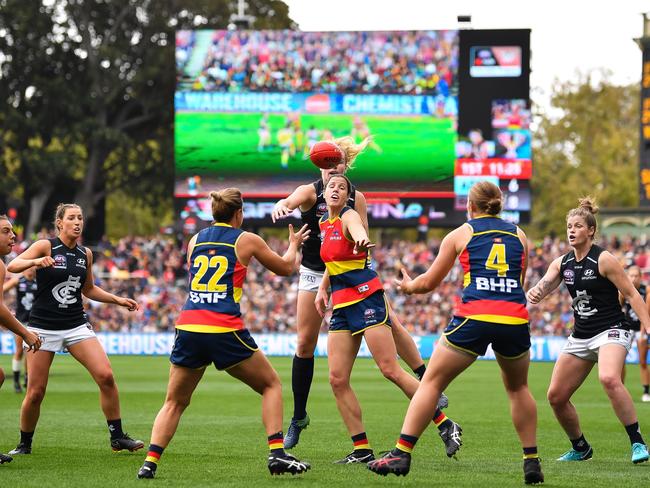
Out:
{"x": 586, "y": 144}
{"x": 86, "y": 94}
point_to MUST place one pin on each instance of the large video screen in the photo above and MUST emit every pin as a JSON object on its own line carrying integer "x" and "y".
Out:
{"x": 443, "y": 109}
{"x": 250, "y": 104}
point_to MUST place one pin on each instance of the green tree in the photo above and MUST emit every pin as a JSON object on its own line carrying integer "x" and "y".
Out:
{"x": 35, "y": 101}
{"x": 586, "y": 144}
{"x": 97, "y": 78}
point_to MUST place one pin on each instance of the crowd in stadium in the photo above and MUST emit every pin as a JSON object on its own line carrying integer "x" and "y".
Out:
{"x": 153, "y": 272}
{"x": 421, "y": 62}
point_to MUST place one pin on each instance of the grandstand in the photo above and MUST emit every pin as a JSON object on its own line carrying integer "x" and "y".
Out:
{"x": 153, "y": 271}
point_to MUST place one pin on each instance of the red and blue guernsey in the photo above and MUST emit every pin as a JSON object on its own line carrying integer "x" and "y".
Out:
{"x": 351, "y": 278}
{"x": 493, "y": 283}
{"x": 216, "y": 280}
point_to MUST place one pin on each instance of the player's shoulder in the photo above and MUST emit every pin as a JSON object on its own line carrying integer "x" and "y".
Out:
{"x": 305, "y": 192}
{"x": 464, "y": 230}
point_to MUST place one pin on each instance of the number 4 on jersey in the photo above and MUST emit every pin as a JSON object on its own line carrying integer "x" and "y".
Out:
{"x": 497, "y": 259}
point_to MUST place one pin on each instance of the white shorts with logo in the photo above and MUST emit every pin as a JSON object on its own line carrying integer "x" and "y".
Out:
{"x": 310, "y": 280}
{"x": 61, "y": 340}
{"x": 587, "y": 349}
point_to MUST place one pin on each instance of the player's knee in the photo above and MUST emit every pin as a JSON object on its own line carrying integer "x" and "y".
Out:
{"x": 2, "y": 376}
{"x": 339, "y": 382}
{"x": 177, "y": 405}
{"x": 517, "y": 386}
{"x": 306, "y": 346}
{"x": 105, "y": 379}
{"x": 609, "y": 381}
{"x": 35, "y": 394}
{"x": 390, "y": 369}
{"x": 556, "y": 397}
{"x": 274, "y": 382}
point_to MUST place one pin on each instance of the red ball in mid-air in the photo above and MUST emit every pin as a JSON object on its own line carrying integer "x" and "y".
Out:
{"x": 326, "y": 154}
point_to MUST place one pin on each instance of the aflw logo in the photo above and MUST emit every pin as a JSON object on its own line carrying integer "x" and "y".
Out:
{"x": 62, "y": 292}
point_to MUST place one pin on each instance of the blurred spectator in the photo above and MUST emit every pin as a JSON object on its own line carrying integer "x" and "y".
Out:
{"x": 421, "y": 62}
{"x": 153, "y": 272}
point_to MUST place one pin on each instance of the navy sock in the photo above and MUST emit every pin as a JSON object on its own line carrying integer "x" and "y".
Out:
{"x": 153, "y": 456}
{"x": 115, "y": 428}
{"x": 580, "y": 444}
{"x": 530, "y": 452}
{"x": 406, "y": 443}
{"x": 276, "y": 443}
{"x": 26, "y": 438}
{"x": 360, "y": 441}
{"x": 302, "y": 374}
{"x": 634, "y": 433}
{"x": 441, "y": 420}
{"x": 419, "y": 372}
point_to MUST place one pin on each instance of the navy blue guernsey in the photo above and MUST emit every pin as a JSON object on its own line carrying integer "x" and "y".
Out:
{"x": 630, "y": 314}
{"x": 25, "y": 293}
{"x": 492, "y": 262}
{"x": 595, "y": 299}
{"x": 311, "y": 248}
{"x": 58, "y": 304}
{"x": 216, "y": 282}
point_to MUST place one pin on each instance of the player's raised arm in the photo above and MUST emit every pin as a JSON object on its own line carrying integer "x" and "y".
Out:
{"x": 303, "y": 195}
{"x": 549, "y": 282}
{"x": 38, "y": 255}
{"x": 440, "y": 267}
{"x": 252, "y": 245}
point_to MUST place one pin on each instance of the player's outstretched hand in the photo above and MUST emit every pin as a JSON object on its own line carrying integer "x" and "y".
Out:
{"x": 534, "y": 295}
{"x": 362, "y": 245}
{"x": 280, "y": 212}
{"x": 403, "y": 284}
{"x": 128, "y": 303}
{"x": 298, "y": 237}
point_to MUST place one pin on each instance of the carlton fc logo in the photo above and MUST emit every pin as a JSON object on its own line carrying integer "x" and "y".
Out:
{"x": 63, "y": 293}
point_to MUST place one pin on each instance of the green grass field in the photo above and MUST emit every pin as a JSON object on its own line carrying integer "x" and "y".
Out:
{"x": 225, "y": 144}
{"x": 221, "y": 441}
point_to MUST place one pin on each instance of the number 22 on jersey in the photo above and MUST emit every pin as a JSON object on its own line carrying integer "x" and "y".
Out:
{"x": 218, "y": 265}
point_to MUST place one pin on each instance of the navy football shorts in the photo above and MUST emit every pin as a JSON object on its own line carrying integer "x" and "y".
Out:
{"x": 197, "y": 350}
{"x": 370, "y": 312}
{"x": 474, "y": 336}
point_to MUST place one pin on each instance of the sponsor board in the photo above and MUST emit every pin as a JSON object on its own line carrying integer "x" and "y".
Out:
{"x": 543, "y": 348}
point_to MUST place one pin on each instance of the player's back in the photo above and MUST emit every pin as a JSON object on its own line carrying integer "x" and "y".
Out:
{"x": 492, "y": 262}
{"x": 216, "y": 280}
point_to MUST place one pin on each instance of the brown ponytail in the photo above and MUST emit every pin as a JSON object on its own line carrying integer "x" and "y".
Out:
{"x": 486, "y": 197}
{"x": 225, "y": 203}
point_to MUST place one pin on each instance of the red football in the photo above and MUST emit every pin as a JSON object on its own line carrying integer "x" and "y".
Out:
{"x": 326, "y": 154}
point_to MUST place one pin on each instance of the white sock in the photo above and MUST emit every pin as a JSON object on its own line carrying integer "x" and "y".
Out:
{"x": 15, "y": 365}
